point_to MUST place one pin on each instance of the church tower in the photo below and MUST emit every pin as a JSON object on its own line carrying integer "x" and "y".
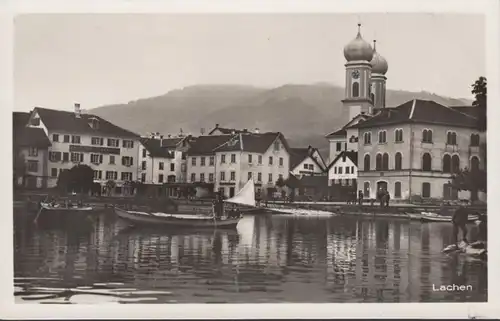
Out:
{"x": 358, "y": 54}
{"x": 379, "y": 69}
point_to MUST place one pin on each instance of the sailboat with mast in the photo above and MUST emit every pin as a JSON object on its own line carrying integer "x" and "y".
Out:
{"x": 222, "y": 218}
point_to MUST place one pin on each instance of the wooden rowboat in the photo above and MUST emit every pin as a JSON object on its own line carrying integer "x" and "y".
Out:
{"x": 177, "y": 220}
{"x": 58, "y": 207}
{"x": 433, "y": 217}
{"x": 246, "y": 196}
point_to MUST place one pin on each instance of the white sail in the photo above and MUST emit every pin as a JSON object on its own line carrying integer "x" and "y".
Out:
{"x": 246, "y": 196}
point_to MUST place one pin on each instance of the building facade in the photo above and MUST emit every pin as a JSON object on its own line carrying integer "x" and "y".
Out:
{"x": 76, "y": 138}
{"x": 413, "y": 150}
{"x": 229, "y": 161}
{"x": 306, "y": 161}
{"x": 158, "y": 163}
{"x": 30, "y": 153}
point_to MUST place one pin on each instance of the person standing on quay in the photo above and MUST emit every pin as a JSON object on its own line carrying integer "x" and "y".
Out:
{"x": 360, "y": 197}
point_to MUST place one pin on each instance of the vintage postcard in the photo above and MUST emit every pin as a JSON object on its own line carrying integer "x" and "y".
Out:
{"x": 301, "y": 162}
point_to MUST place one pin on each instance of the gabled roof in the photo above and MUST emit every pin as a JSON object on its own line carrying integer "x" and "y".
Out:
{"x": 353, "y": 156}
{"x": 67, "y": 121}
{"x": 226, "y": 131}
{"x": 342, "y": 132}
{"x": 23, "y": 136}
{"x": 154, "y": 148}
{"x": 339, "y": 132}
{"x": 171, "y": 142}
{"x": 474, "y": 111}
{"x": 252, "y": 142}
{"x": 419, "y": 111}
{"x": 205, "y": 145}
{"x": 298, "y": 155}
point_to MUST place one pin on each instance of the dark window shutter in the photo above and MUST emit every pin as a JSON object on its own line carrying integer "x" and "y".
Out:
{"x": 81, "y": 157}
{"x": 131, "y": 161}
{"x": 123, "y": 160}
{"x": 100, "y": 159}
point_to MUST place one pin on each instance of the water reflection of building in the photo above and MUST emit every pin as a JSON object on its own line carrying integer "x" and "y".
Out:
{"x": 344, "y": 259}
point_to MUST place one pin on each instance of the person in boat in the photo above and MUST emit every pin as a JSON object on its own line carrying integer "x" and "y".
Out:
{"x": 459, "y": 221}
{"x": 233, "y": 213}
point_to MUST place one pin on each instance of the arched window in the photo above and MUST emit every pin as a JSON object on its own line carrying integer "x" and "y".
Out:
{"x": 397, "y": 190}
{"x": 426, "y": 162}
{"x": 385, "y": 162}
{"x": 398, "y": 135}
{"x": 368, "y": 138}
{"x": 474, "y": 164}
{"x": 446, "y": 163}
{"x": 378, "y": 162}
{"x": 382, "y": 137}
{"x": 474, "y": 140}
{"x": 427, "y": 136}
{"x": 398, "y": 161}
{"x": 451, "y": 138}
{"x": 366, "y": 163}
{"x": 355, "y": 89}
{"x": 455, "y": 164}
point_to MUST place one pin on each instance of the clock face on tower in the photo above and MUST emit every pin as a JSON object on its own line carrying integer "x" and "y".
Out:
{"x": 355, "y": 74}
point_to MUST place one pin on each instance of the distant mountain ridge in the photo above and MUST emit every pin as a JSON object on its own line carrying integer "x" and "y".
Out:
{"x": 304, "y": 113}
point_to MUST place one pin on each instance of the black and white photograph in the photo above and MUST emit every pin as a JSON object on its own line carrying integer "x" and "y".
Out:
{"x": 249, "y": 158}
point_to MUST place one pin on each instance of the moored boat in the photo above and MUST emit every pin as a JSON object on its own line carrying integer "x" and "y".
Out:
{"x": 434, "y": 217}
{"x": 246, "y": 197}
{"x": 59, "y": 207}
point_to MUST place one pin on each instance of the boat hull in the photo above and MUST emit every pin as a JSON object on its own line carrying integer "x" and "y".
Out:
{"x": 48, "y": 207}
{"x": 431, "y": 217}
{"x": 180, "y": 221}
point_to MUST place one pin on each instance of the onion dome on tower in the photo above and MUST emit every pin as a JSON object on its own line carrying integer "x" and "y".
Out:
{"x": 379, "y": 64}
{"x": 358, "y": 49}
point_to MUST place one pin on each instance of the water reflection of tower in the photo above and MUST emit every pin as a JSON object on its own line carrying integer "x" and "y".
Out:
{"x": 425, "y": 267}
{"x": 381, "y": 256}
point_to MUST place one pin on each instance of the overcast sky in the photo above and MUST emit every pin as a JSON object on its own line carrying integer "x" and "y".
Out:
{"x": 110, "y": 58}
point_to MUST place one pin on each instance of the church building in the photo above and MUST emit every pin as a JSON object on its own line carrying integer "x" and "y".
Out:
{"x": 410, "y": 150}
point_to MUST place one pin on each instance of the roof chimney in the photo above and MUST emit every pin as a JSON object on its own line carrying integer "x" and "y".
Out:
{"x": 202, "y": 131}
{"x": 161, "y": 140}
{"x": 256, "y": 131}
{"x": 78, "y": 111}
{"x": 216, "y": 125}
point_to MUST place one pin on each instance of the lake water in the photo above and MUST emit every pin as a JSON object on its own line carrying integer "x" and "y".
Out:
{"x": 268, "y": 259}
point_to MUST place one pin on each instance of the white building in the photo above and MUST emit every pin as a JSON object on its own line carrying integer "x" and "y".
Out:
{"x": 229, "y": 161}
{"x": 159, "y": 164}
{"x": 343, "y": 170}
{"x": 76, "y": 138}
{"x": 306, "y": 161}
{"x": 345, "y": 138}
